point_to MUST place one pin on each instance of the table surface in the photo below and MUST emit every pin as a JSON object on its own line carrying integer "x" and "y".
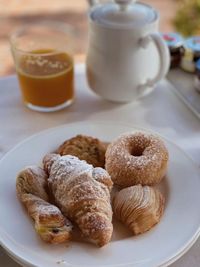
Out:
{"x": 185, "y": 88}
{"x": 161, "y": 111}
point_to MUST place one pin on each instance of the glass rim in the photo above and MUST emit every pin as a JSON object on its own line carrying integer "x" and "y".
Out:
{"x": 55, "y": 25}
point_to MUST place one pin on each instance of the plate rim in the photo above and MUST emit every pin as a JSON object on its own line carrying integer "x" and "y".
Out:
{"x": 170, "y": 260}
{"x": 136, "y": 126}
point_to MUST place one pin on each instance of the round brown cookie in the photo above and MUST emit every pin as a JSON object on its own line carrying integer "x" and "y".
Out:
{"x": 85, "y": 148}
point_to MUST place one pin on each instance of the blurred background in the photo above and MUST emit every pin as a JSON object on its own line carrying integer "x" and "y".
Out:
{"x": 176, "y": 15}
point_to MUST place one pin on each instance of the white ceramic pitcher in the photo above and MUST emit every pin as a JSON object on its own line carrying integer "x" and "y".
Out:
{"x": 126, "y": 55}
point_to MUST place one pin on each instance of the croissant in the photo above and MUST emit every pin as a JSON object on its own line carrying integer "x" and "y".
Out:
{"x": 50, "y": 224}
{"x": 82, "y": 193}
{"x": 140, "y": 208}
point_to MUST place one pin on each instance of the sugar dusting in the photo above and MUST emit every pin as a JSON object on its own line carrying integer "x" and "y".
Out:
{"x": 31, "y": 188}
{"x": 122, "y": 165}
{"x": 77, "y": 192}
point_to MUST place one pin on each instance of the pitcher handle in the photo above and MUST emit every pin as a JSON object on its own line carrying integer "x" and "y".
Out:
{"x": 163, "y": 55}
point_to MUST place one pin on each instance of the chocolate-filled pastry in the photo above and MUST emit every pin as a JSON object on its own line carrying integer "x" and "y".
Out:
{"x": 50, "y": 224}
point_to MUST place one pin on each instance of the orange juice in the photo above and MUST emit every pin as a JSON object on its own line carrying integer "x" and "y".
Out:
{"x": 46, "y": 78}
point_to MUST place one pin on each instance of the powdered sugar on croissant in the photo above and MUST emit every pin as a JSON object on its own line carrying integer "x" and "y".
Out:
{"x": 82, "y": 192}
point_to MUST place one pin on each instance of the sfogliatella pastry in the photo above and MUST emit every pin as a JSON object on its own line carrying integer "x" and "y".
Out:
{"x": 50, "y": 224}
{"x": 87, "y": 148}
{"x": 82, "y": 194}
{"x": 136, "y": 158}
{"x": 138, "y": 207}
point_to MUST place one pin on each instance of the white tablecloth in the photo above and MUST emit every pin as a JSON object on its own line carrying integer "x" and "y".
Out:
{"x": 161, "y": 111}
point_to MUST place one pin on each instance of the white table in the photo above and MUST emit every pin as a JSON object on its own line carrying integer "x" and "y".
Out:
{"x": 161, "y": 111}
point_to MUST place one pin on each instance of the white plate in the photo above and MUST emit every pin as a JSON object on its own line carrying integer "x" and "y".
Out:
{"x": 162, "y": 245}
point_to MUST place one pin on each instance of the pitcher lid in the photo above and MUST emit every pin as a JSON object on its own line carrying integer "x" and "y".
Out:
{"x": 123, "y": 14}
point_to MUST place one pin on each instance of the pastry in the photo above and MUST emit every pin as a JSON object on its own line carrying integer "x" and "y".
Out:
{"x": 50, "y": 224}
{"x": 85, "y": 148}
{"x": 138, "y": 207}
{"x": 32, "y": 180}
{"x": 82, "y": 193}
{"x": 136, "y": 158}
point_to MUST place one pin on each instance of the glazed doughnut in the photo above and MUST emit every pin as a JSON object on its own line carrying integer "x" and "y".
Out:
{"x": 136, "y": 158}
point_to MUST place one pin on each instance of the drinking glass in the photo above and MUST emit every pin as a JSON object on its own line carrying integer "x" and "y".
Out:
{"x": 43, "y": 57}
